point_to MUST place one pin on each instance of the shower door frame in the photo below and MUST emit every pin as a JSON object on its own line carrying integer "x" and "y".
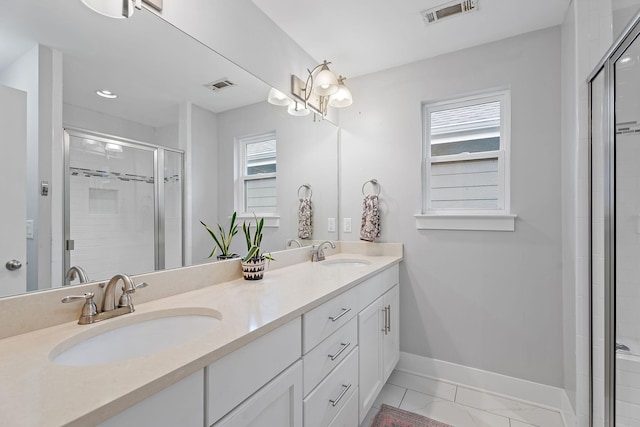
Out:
{"x": 607, "y": 66}
{"x": 159, "y": 209}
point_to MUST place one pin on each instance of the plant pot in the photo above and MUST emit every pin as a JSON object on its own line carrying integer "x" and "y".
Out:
{"x": 223, "y": 257}
{"x": 253, "y": 269}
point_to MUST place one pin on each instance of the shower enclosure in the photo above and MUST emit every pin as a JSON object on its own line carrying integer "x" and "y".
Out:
{"x": 123, "y": 205}
{"x": 614, "y": 89}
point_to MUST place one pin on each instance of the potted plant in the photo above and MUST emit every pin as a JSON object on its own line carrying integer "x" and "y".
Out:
{"x": 223, "y": 239}
{"x": 253, "y": 262}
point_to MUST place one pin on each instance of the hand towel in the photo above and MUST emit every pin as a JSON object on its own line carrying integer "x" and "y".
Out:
{"x": 305, "y": 218}
{"x": 370, "y": 227}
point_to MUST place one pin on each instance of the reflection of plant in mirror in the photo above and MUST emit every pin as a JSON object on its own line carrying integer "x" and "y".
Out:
{"x": 223, "y": 239}
{"x": 253, "y": 241}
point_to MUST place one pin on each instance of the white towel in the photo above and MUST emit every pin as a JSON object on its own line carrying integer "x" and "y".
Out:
{"x": 305, "y": 218}
{"x": 370, "y": 227}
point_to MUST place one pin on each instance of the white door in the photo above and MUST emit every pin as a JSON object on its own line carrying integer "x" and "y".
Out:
{"x": 13, "y": 162}
{"x": 370, "y": 323}
{"x": 391, "y": 352}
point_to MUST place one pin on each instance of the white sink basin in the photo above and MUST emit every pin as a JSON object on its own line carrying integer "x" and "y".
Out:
{"x": 345, "y": 263}
{"x": 149, "y": 333}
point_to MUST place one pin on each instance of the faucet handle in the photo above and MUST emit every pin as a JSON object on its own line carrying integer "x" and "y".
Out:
{"x": 125, "y": 298}
{"x": 89, "y": 309}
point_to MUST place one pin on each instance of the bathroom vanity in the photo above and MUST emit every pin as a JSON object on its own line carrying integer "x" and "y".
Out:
{"x": 310, "y": 345}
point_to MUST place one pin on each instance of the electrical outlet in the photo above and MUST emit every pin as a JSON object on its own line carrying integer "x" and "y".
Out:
{"x": 346, "y": 226}
{"x": 331, "y": 225}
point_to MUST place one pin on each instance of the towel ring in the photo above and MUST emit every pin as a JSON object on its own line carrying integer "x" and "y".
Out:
{"x": 307, "y": 187}
{"x": 374, "y": 183}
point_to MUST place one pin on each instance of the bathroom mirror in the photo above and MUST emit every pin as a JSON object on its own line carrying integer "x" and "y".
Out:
{"x": 172, "y": 92}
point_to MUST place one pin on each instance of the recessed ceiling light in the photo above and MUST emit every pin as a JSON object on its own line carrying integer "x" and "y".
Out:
{"x": 106, "y": 94}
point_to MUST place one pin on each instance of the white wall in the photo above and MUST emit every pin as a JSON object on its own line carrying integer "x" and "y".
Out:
{"x": 39, "y": 73}
{"x": 203, "y": 175}
{"x": 306, "y": 154}
{"x": 488, "y": 300}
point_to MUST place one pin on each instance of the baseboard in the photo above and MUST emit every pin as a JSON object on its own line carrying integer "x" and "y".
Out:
{"x": 567, "y": 411}
{"x": 538, "y": 394}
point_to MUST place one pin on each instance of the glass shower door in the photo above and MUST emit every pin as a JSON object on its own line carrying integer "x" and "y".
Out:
{"x": 627, "y": 236}
{"x": 111, "y": 206}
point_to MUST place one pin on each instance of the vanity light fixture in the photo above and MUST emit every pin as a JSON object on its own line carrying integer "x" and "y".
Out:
{"x": 114, "y": 8}
{"x": 278, "y": 98}
{"x": 342, "y": 98}
{"x": 106, "y": 94}
{"x": 297, "y": 109}
{"x": 321, "y": 90}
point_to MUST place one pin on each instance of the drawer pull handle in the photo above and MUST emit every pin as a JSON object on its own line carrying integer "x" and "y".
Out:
{"x": 344, "y": 347}
{"x": 344, "y": 311}
{"x": 345, "y": 389}
{"x": 388, "y": 319}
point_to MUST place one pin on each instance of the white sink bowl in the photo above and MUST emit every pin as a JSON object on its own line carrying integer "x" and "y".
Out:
{"x": 135, "y": 336}
{"x": 345, "y": 263}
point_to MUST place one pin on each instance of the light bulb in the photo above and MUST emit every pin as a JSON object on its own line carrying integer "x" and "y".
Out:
{"x": 342, "y": 98}
{"x": 325, "y": 83}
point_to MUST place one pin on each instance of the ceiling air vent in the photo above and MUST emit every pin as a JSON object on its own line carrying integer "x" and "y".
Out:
{"x": 447, "y": 10}
{"x": 219, "y": 85}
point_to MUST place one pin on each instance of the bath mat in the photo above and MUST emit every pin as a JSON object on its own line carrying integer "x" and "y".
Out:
{"x": 394, "y": 417}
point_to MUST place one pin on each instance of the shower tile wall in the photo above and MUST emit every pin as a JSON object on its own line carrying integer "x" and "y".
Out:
{"x": 112, "y": 218}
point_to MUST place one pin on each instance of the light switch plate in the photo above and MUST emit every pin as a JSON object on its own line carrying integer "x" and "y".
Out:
{"x": 346, "y": 225}
{"x": 331, "y": 225}
{"x": 29, "y": 229}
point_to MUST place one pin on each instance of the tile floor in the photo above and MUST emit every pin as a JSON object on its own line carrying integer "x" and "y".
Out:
{"x": 459, "y": 406}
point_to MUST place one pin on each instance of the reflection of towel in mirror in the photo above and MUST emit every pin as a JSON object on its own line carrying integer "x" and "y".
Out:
{"x": 370, "y": 227}
{"x": 305, "y": 219}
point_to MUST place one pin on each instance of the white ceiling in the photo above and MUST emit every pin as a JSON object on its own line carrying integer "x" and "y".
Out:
{"x": 152, "y": 66}
{"x": 364, "y": 36}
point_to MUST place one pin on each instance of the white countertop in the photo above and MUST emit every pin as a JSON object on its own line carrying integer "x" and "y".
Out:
{"x": 36, "y": 392}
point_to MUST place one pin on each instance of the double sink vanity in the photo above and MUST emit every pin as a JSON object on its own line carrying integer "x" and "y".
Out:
{"x": 310, "y": 345}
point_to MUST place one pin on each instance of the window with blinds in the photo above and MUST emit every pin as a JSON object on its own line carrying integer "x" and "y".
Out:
{"x": 466, "y": 155}
{"x": 257, "y": 178}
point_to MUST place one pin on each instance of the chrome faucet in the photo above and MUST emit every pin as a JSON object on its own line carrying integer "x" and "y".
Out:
{"x": 90, "y": 312}
{"x": 317, "y": 252}
{"x": 291, "y": 242}
{"x": 76, "y": 271}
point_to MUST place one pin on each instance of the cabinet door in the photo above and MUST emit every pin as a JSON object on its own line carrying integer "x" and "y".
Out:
{"x": 279, "y": 403}
{"x": 370, "y": 336}
{"x": 391, "y": 348}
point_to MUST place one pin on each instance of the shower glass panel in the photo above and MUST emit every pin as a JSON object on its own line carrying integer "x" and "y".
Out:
{"x": 173, "y": 209}
{"x": 627, "y": 236}
{"x": 123, "y": 206}
{"x": 111, "y": 207}
{"x": 599, "y": 151}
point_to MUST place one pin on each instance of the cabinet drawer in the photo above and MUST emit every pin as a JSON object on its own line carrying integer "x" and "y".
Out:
{"x": 329, "y": 353}
{"x": 324, "y": 320}
{"x": 238, "y": 375}
{"x": 324, "y": 403}
{"x": 369, "y": 291}
{"x": 178, "y": 405}
{"x": 390, "y": 277}
{"x": 348, "y": 415}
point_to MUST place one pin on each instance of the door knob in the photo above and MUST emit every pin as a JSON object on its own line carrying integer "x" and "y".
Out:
{"x": 14, "y": 264}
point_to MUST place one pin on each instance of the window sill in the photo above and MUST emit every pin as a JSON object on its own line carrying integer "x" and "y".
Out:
{"x": 270, "y": 220}
{"x": 477, "y": 222}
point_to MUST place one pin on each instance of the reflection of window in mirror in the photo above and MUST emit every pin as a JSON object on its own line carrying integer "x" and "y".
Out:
{"x": 256, "y": 180}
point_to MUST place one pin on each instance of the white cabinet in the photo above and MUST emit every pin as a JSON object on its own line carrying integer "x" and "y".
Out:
{"x": 181, "y": 404}
{"x": 379, "y": 347}
{"x": 276, "y": 404}
{"x": 391, "y": 341}
{"x": 235, "y": 377}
